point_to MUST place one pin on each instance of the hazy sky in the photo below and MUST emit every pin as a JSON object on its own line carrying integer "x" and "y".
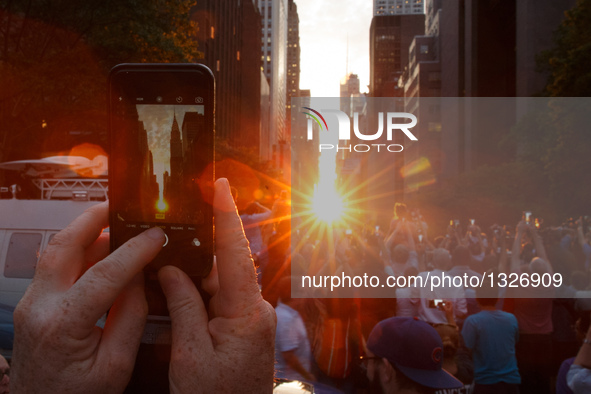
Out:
{"x": 324, "y": 28}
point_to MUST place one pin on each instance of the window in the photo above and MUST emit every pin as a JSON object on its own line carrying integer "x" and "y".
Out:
{"x": 434, "y": 76}
{"x": 217, "y": 65}
{"x": 435, "y": 126}
{"x": 237, "y": 55}
{"x": 22, "y": 255}
{"x": 212, "y": 32}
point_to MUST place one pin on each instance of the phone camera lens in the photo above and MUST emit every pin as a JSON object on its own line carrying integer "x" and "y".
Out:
{"x": 198, "y": 100}
{"x": 179, "y": 99}
{"x": 159, "y": 99}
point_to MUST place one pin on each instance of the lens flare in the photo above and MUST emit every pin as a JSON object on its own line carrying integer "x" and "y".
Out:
{"x": 327, "y": 204}
{"x": 162, "y": 206}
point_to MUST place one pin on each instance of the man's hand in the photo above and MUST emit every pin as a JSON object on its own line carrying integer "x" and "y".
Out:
{"x": 522, "y": 227}
{"x": 231, "y": 349}
{"x": 57, "y": 346}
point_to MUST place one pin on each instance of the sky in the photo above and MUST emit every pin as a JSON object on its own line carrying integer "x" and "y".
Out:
{"x": 324, "y": 28}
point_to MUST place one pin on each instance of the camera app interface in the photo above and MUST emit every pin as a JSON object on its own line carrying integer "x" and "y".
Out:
{"x": 163, "y": 175}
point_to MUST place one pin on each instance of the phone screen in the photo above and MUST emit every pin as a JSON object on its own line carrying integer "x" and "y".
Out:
{"x": 161, "y": 162}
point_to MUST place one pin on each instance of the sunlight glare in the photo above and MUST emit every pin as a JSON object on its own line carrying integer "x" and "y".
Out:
{"x": 162, "y": 206}
{"x": 327, "y": 204}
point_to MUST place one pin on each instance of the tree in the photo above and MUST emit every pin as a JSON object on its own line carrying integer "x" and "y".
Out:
{"x": 568, "y": 61}
{"x": 55, "y": 56}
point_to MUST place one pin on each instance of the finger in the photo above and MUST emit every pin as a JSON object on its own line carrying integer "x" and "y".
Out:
{"x": 210, "y": 283}
{"x": 236, "y": 273}
{"x": 124, "y": 327}
{"x": 63, "y": 261}
{"x": 97, "y": 251}
{"x": 94, "y": 293}
{"x": 187, "y": 313}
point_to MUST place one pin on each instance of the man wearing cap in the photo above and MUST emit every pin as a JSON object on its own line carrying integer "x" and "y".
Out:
{"x": 405, "y": 356}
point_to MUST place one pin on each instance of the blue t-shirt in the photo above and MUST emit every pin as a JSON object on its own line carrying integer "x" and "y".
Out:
{"x": 492, "y": 335}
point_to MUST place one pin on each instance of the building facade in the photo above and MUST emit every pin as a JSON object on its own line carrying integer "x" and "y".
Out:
{"x": 397, "y": 7}
{"x": 229, "y": 35}
{"x": 274, "y": 59}
{"x": 390, "y": 37}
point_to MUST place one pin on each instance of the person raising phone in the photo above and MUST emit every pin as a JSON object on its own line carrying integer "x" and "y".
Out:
{"x": 58, "y": 348}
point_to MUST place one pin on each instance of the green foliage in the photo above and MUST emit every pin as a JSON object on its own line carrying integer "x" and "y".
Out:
{"x": 55, "y": 56}
{"x": 568, "y": 61}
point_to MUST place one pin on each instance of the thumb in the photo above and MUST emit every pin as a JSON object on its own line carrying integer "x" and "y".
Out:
{"x": 187, "y": 312}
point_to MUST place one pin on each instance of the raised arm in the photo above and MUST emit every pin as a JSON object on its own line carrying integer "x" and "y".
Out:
{"x": 516, "y": 249}
{"x": 538, "y": 244}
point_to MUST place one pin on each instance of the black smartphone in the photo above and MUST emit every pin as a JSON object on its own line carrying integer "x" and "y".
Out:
{"x": 436, "y": 304}
{"x": 161, "y": 173}
{"x": 162, "y": 160}
{"x": 527, "y": 216}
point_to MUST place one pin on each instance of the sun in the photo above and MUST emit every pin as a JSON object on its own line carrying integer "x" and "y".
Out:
{"x": 161, "y": 205}
{"x": 327, "y": 205}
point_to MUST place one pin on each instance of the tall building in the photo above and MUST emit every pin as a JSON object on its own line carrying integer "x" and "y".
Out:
{"x": 397, "y": 7}
{"x": 485, "y": 48}
{"x": 254, "y": 121}
{"x": 304, "y": 161}
{"x": 389, "y": 39}
{"x": 274, "y": 58}
{"x": 293, "y": 53}
{"x": 422, "y": 79}
{"x": 293, "y": 81}
{"x": 229, "y": 37}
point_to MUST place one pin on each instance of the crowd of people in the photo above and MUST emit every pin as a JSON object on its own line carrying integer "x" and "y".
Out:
{"x": 509, "y": 335}
{"x": 484, "y": 336}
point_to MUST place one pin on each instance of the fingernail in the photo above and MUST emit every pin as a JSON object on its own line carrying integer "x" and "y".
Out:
{"x": 226, "y": 202}
{"x": 155, "y": 233}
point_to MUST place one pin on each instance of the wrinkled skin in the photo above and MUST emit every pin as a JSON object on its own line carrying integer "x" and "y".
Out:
{"x": 232, "y": 349}
{"x": 59, "y": 349}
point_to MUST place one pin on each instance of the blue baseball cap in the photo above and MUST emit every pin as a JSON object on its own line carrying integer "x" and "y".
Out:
{"x": 415, "y": 348}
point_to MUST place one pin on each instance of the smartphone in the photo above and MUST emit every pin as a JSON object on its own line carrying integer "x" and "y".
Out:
{"x": 527, "y": 216}
{"x": 436, "y": 304}
{"x": 420, "y": 236}
{"x": 161, "y": 163}
{"x": 161, "y": 173}
{"x": 472, "y": 221}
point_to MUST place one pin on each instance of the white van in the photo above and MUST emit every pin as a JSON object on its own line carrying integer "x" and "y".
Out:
{"x": 27, "y": 226}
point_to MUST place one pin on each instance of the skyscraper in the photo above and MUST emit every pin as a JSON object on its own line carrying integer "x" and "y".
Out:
{"x": 397, "y": 7}
{"x": 293, "y": 55}
{"x": 229, "y": 37}
{"x": 274, "y": 58}
{"x": 389, "y": 39}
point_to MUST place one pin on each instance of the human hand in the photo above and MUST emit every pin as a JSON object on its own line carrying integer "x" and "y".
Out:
{"x": 448, "y": 308}
{"x": 57, "y": 346}
{"x": 522, "y": 227}
{"x": 232, "y": 348}
{"x": 4, "y": 376}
